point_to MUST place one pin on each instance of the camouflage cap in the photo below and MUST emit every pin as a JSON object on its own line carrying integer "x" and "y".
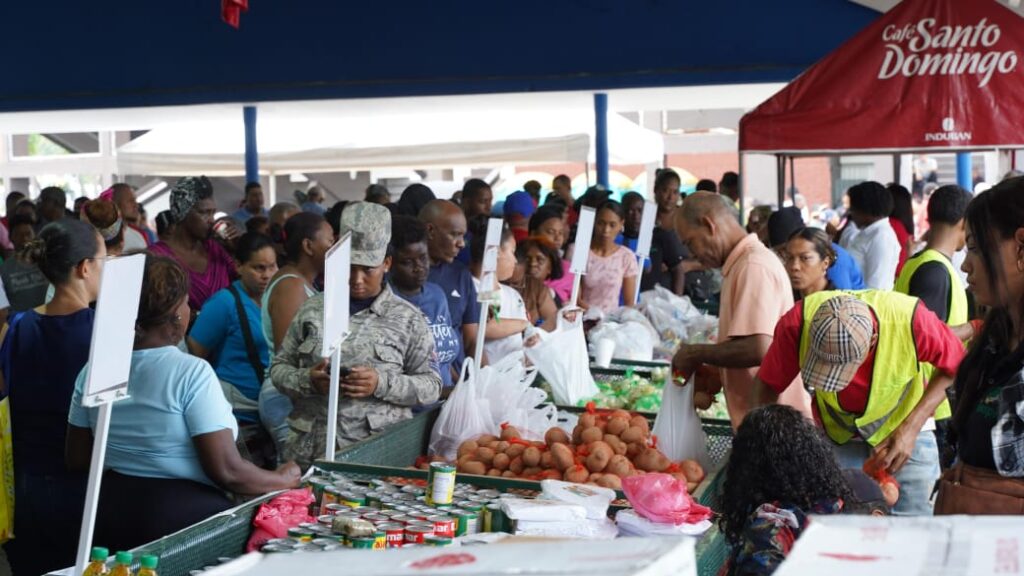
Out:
{"x": 370, "y": 225}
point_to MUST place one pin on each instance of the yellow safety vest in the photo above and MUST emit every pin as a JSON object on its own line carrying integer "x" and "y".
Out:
{"x": 957, "y": 304}
{"x": 897, "y": 383}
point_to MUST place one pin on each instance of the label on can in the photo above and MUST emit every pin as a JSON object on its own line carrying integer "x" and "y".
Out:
{"x": 443, "y": 525}
{"x": 440, "y": 483}
{"x": 467, "y": 522}
{"x": 351, "y": 499}
{"x": 416, "y": 534}
{"x": 301, "y": 534}
{"x": 363, "y": 542}
{"x": 331, "y": 496}
{"x": 435, "y": 540}
{"x": 380, "y": 540}
{"x": 394, "y": 533}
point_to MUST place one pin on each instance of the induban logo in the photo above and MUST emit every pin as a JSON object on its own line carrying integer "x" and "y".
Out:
{"x": 949, "y": 133}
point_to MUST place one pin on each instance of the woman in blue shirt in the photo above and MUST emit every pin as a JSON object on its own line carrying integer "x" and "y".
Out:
{"x": 41, "y": 356}
{"x": 171, "y": 452}
{"x": 229, "y": 334}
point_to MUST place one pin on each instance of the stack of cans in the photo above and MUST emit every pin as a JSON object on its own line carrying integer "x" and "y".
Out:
{"x": 400, "y": 515}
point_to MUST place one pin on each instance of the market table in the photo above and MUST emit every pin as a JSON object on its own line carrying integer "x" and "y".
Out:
{"x": 391, "y": 454}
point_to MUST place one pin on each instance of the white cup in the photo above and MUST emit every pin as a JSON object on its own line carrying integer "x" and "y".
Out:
{"x": 603, "y": 352}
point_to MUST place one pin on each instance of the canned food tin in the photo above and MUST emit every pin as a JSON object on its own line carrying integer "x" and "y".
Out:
{"x": 438, "y": 541}
{"x": 443, "y": 525}
{"x": 321, "y": 542}
{"x": 351, "y": 499}
{"x": 318, "y": 483}
{"x": 402, "y": 519}
{"x": 282, "y": 542}
{"x": 325, "y": 520}
{"x": 421, "y": 515}
{"x": 380, "y": 540}
{"x": 330, "y": 496}
{"x": 336, "y": 508}
{"x": 467, "y": 522}
{"x": 376, "y": 518}
{"x": 440, "y": 483}
{"x": 488, "y": 494}
{"x": 414, "y": 490}
{"x": 362, "y": 542}
{"x": 307, "y": 547}
{"x": 373, "y": 500}
{"x": 276, "y": 549}
{"x": 416, "y": 534}
{"x": 472, "y": 506}
{"x": 301, "y": 534}
{"x": 357, "y": 489}
{"x": 494, "y": 519}
{"x": 394, "y": 533}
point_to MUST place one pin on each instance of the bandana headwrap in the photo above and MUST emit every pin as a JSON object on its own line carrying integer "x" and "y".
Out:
{"x": 186, "y": 193}
{"x": 111, "y": 232}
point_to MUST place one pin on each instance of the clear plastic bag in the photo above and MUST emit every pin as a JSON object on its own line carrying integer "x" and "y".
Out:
{"x": 463, "y": 416}
{"x": 680, "y": 435}
{"x": 662, "y": 498}
{"x": 561, "y": 356}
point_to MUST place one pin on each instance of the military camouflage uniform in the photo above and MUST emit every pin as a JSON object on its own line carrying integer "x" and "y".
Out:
{"x": 390, "y": 336}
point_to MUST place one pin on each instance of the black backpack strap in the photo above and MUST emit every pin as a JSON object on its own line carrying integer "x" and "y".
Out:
{"x": 250, "y": 343}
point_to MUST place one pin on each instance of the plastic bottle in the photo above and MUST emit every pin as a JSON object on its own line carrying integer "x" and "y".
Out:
{"x": 122, "y": 564}
{"x": 97, "y": 562}
{"x": 148, "y": 566}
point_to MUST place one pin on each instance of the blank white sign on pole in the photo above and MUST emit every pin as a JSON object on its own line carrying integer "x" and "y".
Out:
{"x": 113, "y": 330}
{"x": 110, "y": 364}
{"x": 584, "y": 232}
{"x": 643, "y": 242}
{"x": 337, "y": 267}
{"x": 489, "y": 289}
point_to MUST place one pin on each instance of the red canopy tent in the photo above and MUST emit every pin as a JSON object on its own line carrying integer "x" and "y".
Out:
{"x": 928, "y": 75}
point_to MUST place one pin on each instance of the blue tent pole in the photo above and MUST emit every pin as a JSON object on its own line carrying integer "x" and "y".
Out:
{"x": 964, "y": 175}
{"x": 601, "y": 138}
{"x": 252, "y": 157}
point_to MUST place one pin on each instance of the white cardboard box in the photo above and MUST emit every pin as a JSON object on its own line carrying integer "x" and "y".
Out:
{"x": 624, "y": 556}
{"x": 938, "y": 546}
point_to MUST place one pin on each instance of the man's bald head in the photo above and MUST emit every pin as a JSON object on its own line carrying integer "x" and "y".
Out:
{"x": 707, "y": 204}
{"x": 708, "y": 225}
{"x": 446, "y": 230}
{"x": 437, "y": 209}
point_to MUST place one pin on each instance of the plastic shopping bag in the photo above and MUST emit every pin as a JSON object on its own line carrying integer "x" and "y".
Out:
{"x": 680, "y": 435}
{"x": 561, "y": 356}
{"x": 463, "y": 416}
{"x": 274, "y": 518}
{"x": 662, "y": 498}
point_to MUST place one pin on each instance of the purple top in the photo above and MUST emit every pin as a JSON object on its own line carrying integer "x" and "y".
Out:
{"x": 220, "y": 269}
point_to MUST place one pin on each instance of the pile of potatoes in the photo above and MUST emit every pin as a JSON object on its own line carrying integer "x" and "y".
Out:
{"x": 603, "y": 449}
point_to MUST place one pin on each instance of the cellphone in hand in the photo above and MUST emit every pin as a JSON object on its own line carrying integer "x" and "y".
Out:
{"x": 343, "y": 372}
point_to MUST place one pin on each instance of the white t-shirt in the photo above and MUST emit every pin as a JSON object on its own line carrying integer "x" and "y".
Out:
{"x": 877, "y": 252}
{"x": 512, "y": 308}
{"x": 133, "y": 240}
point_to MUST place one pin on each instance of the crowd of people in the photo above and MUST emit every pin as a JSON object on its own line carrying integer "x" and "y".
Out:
{"x": 845, "y": 348}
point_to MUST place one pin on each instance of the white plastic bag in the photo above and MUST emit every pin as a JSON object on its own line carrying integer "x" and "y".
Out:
{"x": 463, "y": 416}
{"x": 634, "y": 340}
{"x": 561, "y": 356}
{"x": 680, "y": 436}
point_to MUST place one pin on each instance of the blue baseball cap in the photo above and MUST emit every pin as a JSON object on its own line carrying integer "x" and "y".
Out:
{"x": 520, "y": 203}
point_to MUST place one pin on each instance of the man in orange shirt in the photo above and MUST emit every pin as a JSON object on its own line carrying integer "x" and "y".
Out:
{"x": 755, "y": 294}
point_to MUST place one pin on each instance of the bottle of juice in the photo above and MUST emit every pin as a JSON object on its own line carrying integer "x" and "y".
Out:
{"x": 148, "y": 566}
{"x": 122, "y": 564}
{"x": 97, "y": 562}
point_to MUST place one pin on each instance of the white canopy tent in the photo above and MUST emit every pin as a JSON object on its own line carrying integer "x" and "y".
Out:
{"x": 325, "y": 142}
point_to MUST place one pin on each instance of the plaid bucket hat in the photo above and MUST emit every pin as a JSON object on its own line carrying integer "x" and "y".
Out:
{"x": 841, "y": 333}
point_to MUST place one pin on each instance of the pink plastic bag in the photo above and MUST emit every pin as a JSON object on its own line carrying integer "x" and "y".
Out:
{"x": 274, "y": 518}
{"x": 662, "y": 498}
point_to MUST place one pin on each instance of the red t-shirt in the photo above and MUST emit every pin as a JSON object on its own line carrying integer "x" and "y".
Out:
{"x": 936, "y": 345}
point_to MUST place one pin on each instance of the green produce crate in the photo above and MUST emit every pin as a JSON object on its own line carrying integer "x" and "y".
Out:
{"x": 222, "y": 536}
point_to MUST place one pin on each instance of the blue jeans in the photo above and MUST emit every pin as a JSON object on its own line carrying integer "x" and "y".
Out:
{"x": 917, "y": 477}
{"x": 274, "y": 411}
